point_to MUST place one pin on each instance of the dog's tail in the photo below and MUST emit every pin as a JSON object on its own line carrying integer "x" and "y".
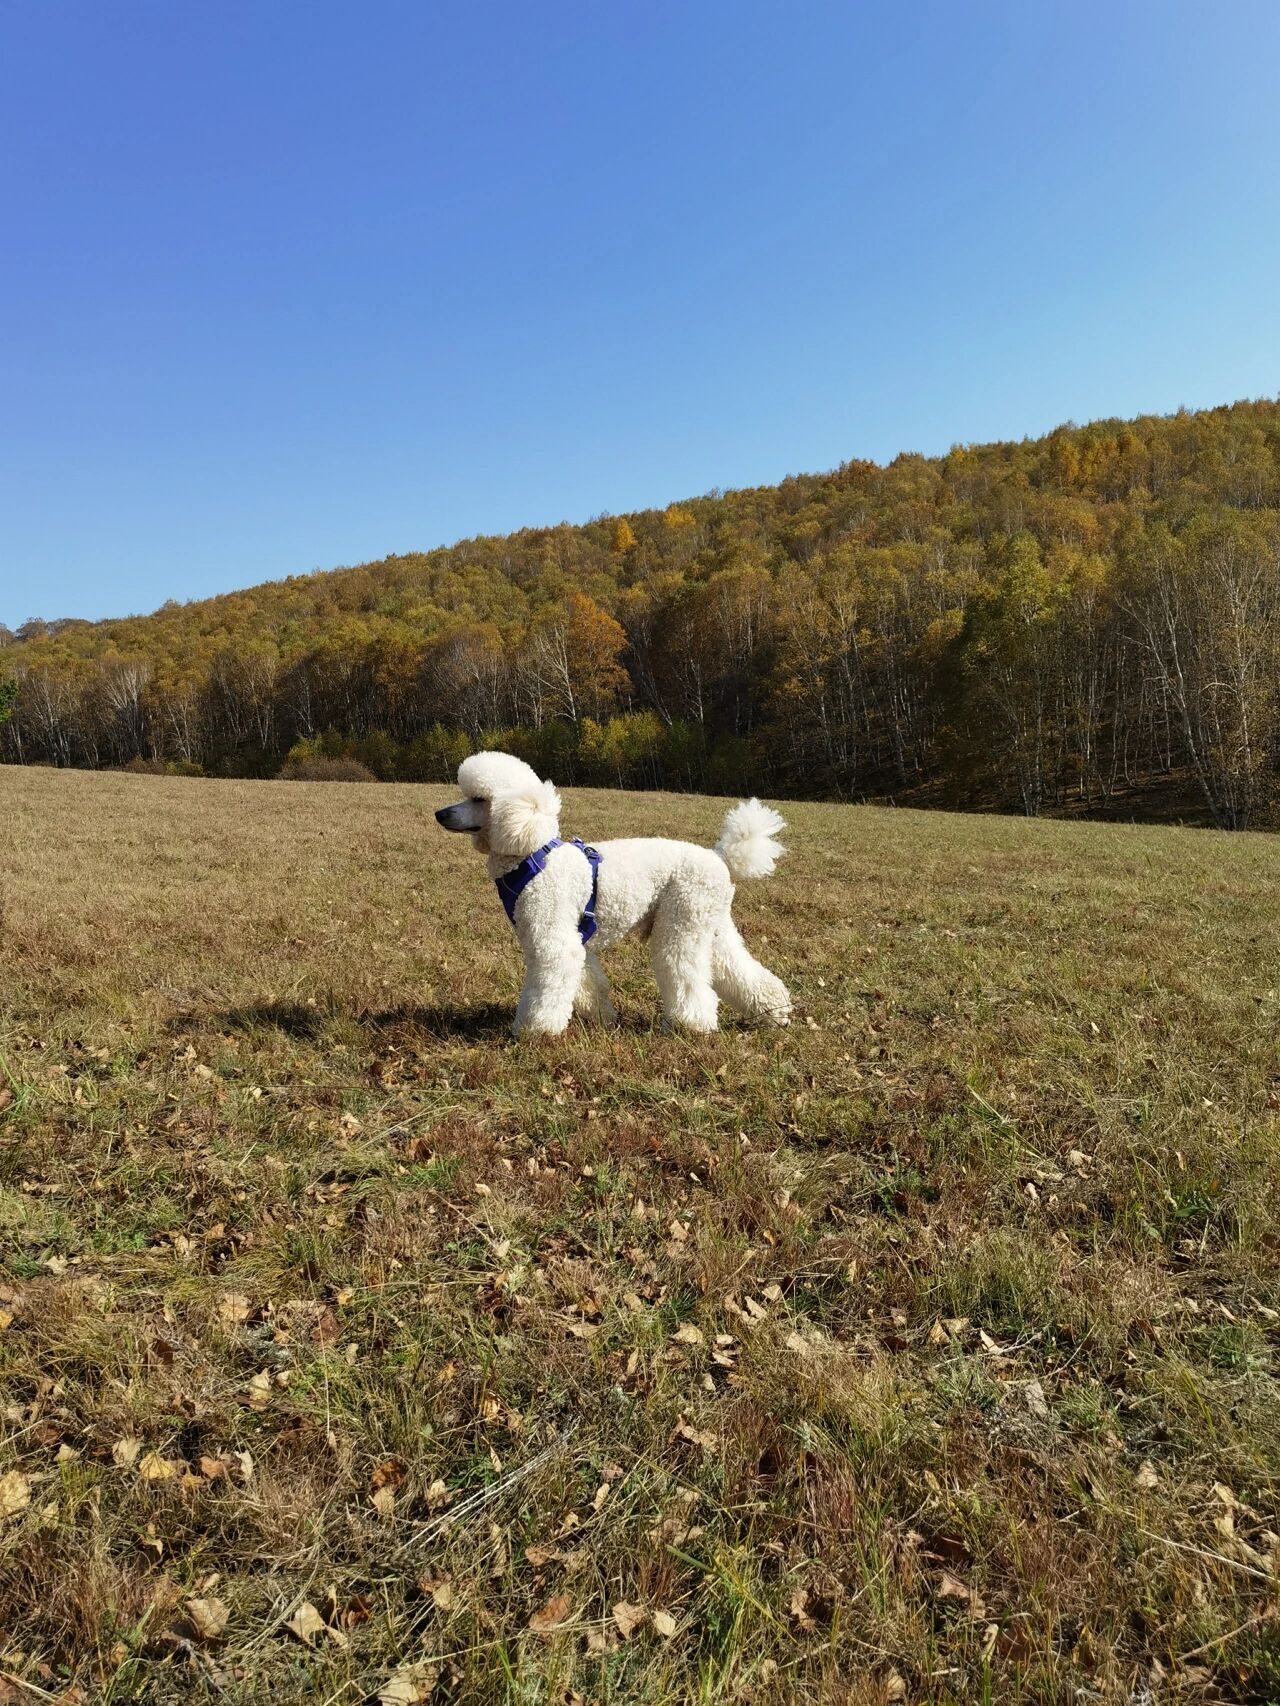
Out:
{"x": 747, "y": 843}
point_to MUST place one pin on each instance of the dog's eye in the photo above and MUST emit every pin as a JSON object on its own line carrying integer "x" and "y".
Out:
{"x": 476, "y": 800}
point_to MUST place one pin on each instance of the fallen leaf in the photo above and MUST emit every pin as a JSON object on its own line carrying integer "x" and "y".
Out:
{"x": 384, "y": 1502}
{"x": 688, "y": 1334}
{"x": 208, "y": 1617}
{"x": 438, "y": 1496}
{"x": 125, "y": 1451}
{"x": 15, "y": 1493}
{"x": 665, "y": 1624}
{"x": 388, "y": 1474}
{"x": 1146, "y": 1476}
{"x": 260, "y": 1390}
{"x": 233, "y": 1308}
{"x": 553, "y": 1615}
{"x": 153, "y": 1467}
{"x": 358, "y": 1610}
{"x": 1037, "y": 1403}
{"x": 539, "y": 1555}
{"x": 628, "y": 1618}
{"x": 408, "y": 1687}
{"x": 799, "y": 1609}
{"x": 695, "y": 1436}
{"x": 306, "y": 1623}
{"x": 895, "y": 1688}
{"x": 951, "y": 1587}
{"x": 212, "y": 1468}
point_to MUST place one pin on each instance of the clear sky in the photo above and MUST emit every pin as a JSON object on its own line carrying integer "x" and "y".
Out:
{"x": 287, "y": 284}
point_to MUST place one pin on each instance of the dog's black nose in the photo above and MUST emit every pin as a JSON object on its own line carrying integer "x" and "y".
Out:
{"x": 456, "y": 818}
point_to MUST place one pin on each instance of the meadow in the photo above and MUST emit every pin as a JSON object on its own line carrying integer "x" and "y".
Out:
{"x": 925, "y": 1351}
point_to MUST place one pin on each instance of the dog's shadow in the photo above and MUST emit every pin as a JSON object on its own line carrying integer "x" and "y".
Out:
{"x": 485, "y": 1019}
{"x": 305, "y": 1023}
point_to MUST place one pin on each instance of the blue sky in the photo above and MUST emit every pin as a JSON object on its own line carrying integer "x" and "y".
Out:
{"x": 295, "y": 283}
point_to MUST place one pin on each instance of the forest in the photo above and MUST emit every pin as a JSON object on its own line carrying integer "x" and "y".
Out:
{"x": 1087, "y": 622}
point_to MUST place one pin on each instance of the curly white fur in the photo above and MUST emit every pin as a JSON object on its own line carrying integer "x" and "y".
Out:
{"x": 747, "y": 843}
{"x": 677, "y": 895}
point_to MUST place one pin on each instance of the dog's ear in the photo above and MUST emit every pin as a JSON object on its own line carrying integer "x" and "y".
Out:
{"x": 520, "y": 822}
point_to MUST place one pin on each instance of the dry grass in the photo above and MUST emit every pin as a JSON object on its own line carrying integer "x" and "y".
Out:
{"x": 926, "y": 1351}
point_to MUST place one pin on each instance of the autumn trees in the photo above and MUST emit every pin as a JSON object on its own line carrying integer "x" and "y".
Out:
{"x": 1087, "y": 621}
{"x": 1204, "y": 604}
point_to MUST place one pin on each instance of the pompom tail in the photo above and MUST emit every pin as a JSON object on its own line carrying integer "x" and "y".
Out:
{"x": 747, "y": 841}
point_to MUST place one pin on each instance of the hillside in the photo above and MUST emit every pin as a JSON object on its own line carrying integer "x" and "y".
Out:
{"x": 926, "y": 1351}
{"x": 1087, "y": 622}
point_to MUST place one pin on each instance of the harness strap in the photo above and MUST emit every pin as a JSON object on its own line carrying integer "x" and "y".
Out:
{"x": 513, "y": 885}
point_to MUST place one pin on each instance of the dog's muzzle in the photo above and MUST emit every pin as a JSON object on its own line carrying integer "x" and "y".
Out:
{"x": 460, "y": 818}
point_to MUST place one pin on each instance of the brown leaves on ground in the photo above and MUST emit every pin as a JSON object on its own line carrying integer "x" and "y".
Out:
{"x": 950, "y": 1587}
{"x": 306, "y": 1623}
{"x": 811, "y": 1609}
{"x": 773, "y": 1249}
{"x": 155, "y": 1467}
{"x": 552, "y": 1616}
{"x": 15, "y": 1494}
{"x": 208, "y": 1617}
{"x": 234, "y": 1308}
{"x": 410, "y": 1686}
{"x": 628, "y": 1618}
{"x": 441, "y": 1590}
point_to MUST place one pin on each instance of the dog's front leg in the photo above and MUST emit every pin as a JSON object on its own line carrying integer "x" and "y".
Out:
{"x": 592, "y": 1000}
{"x": 552, "y": 976}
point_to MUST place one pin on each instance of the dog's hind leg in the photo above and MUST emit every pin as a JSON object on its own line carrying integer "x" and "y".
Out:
{"x": 553, "y": 976}
{"x": 592, "y": 1000}
{"x": 681, "y": 950}
{"x": 742, "y": 982}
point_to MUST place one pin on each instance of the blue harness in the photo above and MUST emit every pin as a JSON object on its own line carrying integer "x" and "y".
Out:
{"x": 513, "y": 885}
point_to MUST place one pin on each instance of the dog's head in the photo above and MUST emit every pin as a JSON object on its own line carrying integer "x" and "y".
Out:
{"x": 505, "y": 809}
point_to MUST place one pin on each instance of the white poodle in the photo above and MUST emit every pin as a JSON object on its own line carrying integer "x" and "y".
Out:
{"x": 567, "y": 900}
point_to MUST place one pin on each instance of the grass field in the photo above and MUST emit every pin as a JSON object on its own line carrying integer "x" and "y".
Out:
{"x": 925, "y": 1351}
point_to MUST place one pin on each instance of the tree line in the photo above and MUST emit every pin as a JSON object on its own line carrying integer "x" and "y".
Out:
{"x": 1089, "y": 621}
